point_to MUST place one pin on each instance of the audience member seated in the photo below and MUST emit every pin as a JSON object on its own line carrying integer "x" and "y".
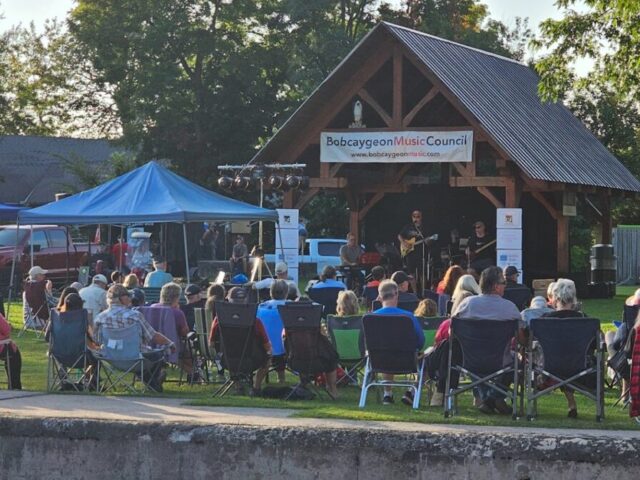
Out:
{"x": 131, "y": 281}
{"x": 377, "y": 275}
{"x": 550, "y": 302}
{"x": 215, "y": 293}
{"x": 450, "y": 280}
{"x": 116, "y": 277}
{"x": 466, "y": 287}
{"x": 239, "y": 256}
{"x": 37, "y": 297}
{"x": 95, "y": 296}
{"x": 193, "y": 293}
{"x": 72, "y": 302}
{"x": 118, "y": 315}
{"x": 10, "y": 354}
{"x": 565, "y": 302}
{"x": 159, "y": 277}
{"x": 282, "y": 273}
{"x": 389, "y": 294}
{"x": 328, "y": 279}
{"x": 270, "y": 317}
{"x": 490, "y": 305}
{"x": 426, "y": 308}
{"x": 347, "y": 304}
{"x": 67, "y": 290}
{"x": 402, "y": 280}
{"x": 138, "y": 298}
{"x": 170, "y": 299}
{"x": 294, "y": 293}
{"x": 537, "y": 308}
{"x": 260, "y": 357}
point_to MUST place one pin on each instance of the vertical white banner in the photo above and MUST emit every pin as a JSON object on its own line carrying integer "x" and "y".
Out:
{"x": 509, "y": 239}
{"x": 287, "y": 240}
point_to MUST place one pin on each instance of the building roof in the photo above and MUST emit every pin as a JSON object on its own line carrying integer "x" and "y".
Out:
{"x": 544, "y": 139}
{"x": 32, "y": 166}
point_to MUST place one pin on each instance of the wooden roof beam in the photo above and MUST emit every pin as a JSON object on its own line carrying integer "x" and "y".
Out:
{"x": 430, "y": 95}
{"x": 477, "y": 181}
{"x": 397, "y": 87}
{"x": 364, "y": 95}
{"x": 335, "y": 182}
{"x": 488, "y": 194}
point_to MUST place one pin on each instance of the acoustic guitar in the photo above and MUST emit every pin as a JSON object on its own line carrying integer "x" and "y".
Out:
{"x": 408, "y": 246}
{"x": 472, "y": 254}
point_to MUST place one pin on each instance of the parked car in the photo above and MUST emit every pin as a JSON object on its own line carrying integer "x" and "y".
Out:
{"x": 53, "y": 249}
{"x": 321, "y": 251}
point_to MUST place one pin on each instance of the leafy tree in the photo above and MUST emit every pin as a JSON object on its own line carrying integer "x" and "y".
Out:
{"x": 90, "y": 175}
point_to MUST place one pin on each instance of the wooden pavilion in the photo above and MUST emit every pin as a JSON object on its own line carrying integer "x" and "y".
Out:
{"x": 526, "y": 153}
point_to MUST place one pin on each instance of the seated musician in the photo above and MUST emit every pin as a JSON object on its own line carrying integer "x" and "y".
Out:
{"x": 239, "y": 255}
{"x": 350, "y": 254}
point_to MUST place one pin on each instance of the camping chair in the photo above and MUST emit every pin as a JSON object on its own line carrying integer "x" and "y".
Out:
{"x": 623, "y": 371}
{"x": 431, "y": 294}
{"x": 121, "y": 356}
{"x": 346, "y": 335}
{"x": 443, "y": 301}
{"x": 68, "y": 351}
{"x": 519, "y": 296}
{"x": 203, "y": 355}
{"x": 391, "y": 348}
{"x": 327, "y": 297}
{"x": 151, "y": 295}
{"x": 30, "y": 319}
{"x": 430, "y": 326}
{"x": 238, "y": 342}
{"x": 567, "y": 345}
{"x": 483, "y": 344}
{"x": 408, "y": 306}
{"x": 5, "y": 361}
{"x": 307, "y": 348}
{"x": 629, "y": 315}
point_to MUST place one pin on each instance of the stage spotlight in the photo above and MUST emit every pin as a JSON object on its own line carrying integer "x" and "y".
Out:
{"x": 293, "y": 181}
{"x": 226, "y": 183}
{"x": 304, "y": 182}
{"x": 277, "y": 182}
{"x": 242, "y": 183}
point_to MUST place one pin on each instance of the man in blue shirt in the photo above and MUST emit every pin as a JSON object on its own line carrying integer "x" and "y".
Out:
{"x": 159, "y": 277}
{"x": 388, "y": 294}
{"x": 270, "y": 317}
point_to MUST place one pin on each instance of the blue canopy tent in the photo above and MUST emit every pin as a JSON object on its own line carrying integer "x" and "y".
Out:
{"x": 9, "y": 213}
{"x": 148, "y": 194}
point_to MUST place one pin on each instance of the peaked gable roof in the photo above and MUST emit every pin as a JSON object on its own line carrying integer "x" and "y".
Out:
{"x": 150, "y": 193}
{"x": 544, "y": 139}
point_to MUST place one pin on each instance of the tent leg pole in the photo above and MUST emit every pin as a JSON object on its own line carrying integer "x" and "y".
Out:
{"x": 31, "y": 246}
{"x": 186, "y": 251}
{"x": 13, "y": 267}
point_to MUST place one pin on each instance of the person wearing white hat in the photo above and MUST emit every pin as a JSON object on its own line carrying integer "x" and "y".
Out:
{"x": 282, "y": 273}
{"x": 95, "y": 296}
{"x": 36, "y": 293}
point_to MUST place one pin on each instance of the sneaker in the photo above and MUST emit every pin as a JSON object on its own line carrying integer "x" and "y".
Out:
{"x": 387, "y": 400}
{"x": 407, "y": 398}
{"x": 437, "y": 399}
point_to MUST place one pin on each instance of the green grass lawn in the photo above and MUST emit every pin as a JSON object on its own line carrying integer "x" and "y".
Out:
{"x": 552, "y": 410}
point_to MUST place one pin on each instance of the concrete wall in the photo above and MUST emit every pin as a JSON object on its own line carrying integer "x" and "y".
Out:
{"x": 75, "y": 449}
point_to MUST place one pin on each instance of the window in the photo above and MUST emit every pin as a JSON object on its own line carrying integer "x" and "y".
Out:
{"x": 39, "y": 238}
{"x": 329, "y": 249}
{"x": 57, "y": 238}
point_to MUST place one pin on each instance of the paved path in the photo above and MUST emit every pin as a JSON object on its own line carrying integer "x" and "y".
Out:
{"x": 175, "y": 410}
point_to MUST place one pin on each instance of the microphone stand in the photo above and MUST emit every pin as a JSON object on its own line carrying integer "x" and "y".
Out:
{"x": 422, "y": 279}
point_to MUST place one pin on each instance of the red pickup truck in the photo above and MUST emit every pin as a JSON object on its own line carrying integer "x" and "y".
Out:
{"x": 51, "y": 243}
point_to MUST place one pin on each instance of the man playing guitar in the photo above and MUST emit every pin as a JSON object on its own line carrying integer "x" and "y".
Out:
{"x": 481, "y": 249}
{"x": 413, "y": 245}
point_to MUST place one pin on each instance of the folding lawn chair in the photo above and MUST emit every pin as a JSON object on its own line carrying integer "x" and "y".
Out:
{"x": 347, "y": 336}
{"x": 569, "y": 346}
{"x": 308, "y": 351}
{"x": 430, "y": 326}
{"x": 121, "y": 356}
{"x": 443, "y": 300}
{"x": 327, "y": 297}
{"x": 519, "y": 296}
{"x": 238, "y": 342}
{"x": 391, "y": 348}
{"x": 485, "y": 346}
{"x": 6, "y": 362}
{"x": 203, "y": 355}
{"x": 68, "y": 352}
{"x": 30, "y": 318}
{"x": 370, "y": 294}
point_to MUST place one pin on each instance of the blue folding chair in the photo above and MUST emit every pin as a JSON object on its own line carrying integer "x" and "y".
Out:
{"x": 68, "y": 353}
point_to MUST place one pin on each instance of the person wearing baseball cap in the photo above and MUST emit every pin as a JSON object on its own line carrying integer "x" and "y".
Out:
{"x": 523, "y": 296}
{"x": 95, "y": 296}
{"x": 193, "y": 293}
{"x": 402, "y": 280}
{"x": 282, "y": 273}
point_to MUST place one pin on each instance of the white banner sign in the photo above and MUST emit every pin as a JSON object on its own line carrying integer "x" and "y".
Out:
{"x": 403, "y": 146}
{"x": 509, "y": 218}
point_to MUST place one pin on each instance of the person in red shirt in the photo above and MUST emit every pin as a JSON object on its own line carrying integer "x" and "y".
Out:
{"x": 119, "y": 252}
{"x": 377, "y": 275}
{"x": 261, "y": 359}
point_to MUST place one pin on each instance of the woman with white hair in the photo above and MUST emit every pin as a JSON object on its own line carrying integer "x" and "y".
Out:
{"x": 550, "y": 288}
{"x": 566, "y": 305}
{"x": 466, "y": 287}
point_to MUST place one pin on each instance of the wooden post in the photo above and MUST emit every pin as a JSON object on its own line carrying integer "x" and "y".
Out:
{"x": 513, "y": 192}
{"x": 397, "y": 88}
{"x": 287, "y": 199}
{"x": 563, "y": 244}
{"x": 606, "y": 222}
{"x": 354, "y": 224}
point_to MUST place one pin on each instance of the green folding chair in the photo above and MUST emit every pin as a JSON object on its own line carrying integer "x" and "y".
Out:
{"x": 430, "y": 326}
{"x": 346, "y": 336}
